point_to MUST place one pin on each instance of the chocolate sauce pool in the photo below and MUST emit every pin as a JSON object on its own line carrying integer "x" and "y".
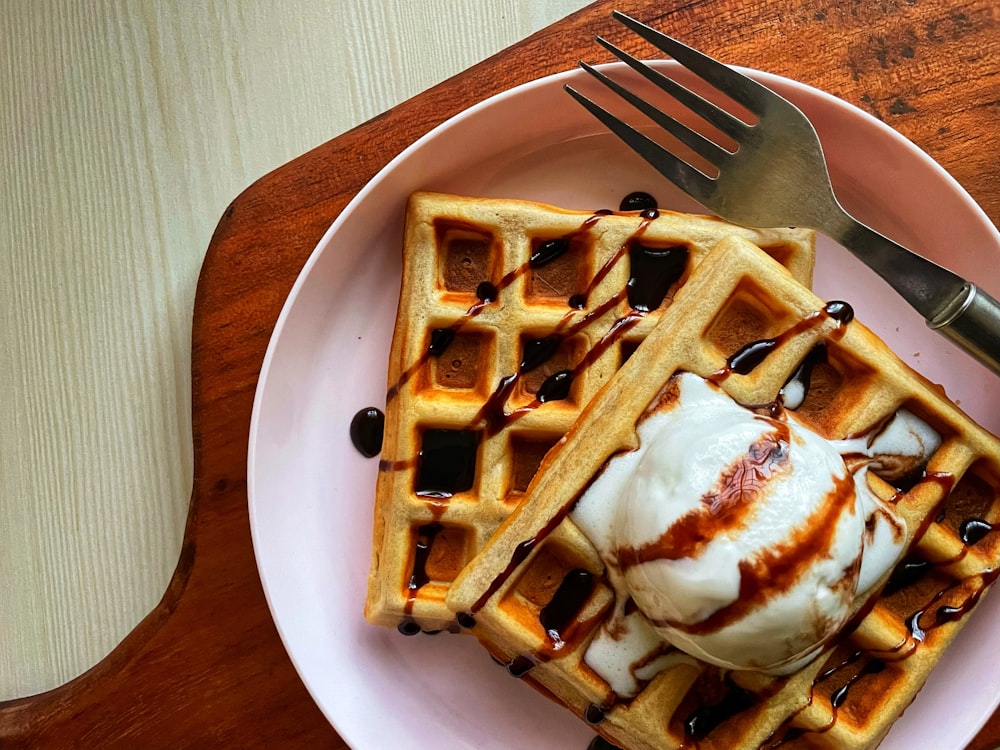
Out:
{"x": 366, "y": 431}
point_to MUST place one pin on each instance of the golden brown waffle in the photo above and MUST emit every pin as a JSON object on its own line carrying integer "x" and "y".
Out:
{"x": 505, "y": 304}
{"x": 532, "y": 613}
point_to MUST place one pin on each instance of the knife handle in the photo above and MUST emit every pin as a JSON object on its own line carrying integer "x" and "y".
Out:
{"x": 972, "y": 321}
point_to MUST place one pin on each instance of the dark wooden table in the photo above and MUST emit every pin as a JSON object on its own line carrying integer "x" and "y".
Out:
{"x": 206, "y": 667}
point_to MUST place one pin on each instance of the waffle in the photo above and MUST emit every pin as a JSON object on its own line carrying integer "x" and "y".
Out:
{"x": 512, "y": 314}
{"x": 538, "y": 592}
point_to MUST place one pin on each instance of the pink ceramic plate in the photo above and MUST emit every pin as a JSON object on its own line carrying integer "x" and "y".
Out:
{"x": 311, "y": 492}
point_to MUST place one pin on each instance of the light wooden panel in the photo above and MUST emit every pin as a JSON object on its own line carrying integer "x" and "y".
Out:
{"x": 125, "y": 130}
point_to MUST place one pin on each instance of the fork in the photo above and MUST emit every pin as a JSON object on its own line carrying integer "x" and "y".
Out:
{"x": 777, "y": 152}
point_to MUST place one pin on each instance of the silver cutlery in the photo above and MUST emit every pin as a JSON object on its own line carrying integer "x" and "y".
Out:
{"x": 777, "y": 176}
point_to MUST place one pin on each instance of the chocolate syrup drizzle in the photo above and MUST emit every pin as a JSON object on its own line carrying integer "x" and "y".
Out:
{"x": 839, "y": 311}
{"x": 493, "y": 416}
{"x": 419, "y": 577}
{"x": 560, "y": 619}
{"x": 562, "y": 610}
{"x": 668, "y": 264}
{"x": 744, "y": 361}
{"x": 749, "y": 357}
{"x": 736, "y": 700}
{"x": 654, "y": 271}
{"x": 446, "y": 462}
{"x": 664, "y": 267}
{"x": 949, "y": 604}
{"x": 802, "y": 377}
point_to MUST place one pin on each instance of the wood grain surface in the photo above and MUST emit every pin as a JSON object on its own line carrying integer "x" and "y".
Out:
{"x": 125, "y": 131}
{"x": 206, "y": 668}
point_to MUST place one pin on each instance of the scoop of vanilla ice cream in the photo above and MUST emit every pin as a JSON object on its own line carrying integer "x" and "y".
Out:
{"x": 739, "y": 536}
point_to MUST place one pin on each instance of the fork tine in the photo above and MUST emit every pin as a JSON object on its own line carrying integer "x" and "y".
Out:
{"x": 727, "y": 123}
{"x": 687, "y": 178}
{"x": 747, "y": 92}
{"x": 694, "y": 140}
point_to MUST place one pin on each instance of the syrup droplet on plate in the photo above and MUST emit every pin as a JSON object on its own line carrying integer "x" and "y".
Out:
{"x": 367, "y": 428}
{"x": 637, "y": 201}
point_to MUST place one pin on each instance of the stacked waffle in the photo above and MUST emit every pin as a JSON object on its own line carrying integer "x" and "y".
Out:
{"x": 511, "y": 316}
{"x": 516, "y": 378}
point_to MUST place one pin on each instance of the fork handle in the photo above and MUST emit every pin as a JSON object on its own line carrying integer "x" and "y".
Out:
{"x": 972, "y": 321}
{"x": 960, "y": 311}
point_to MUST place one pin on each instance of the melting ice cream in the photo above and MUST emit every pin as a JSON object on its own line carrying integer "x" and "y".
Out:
{"x": 743, "y": 539}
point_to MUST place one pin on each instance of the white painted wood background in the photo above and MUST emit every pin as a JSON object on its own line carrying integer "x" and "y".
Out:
{"x": 125, "y": 130}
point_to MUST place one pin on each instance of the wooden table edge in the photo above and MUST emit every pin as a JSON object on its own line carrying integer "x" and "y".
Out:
{"x": 20, "y": 718}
